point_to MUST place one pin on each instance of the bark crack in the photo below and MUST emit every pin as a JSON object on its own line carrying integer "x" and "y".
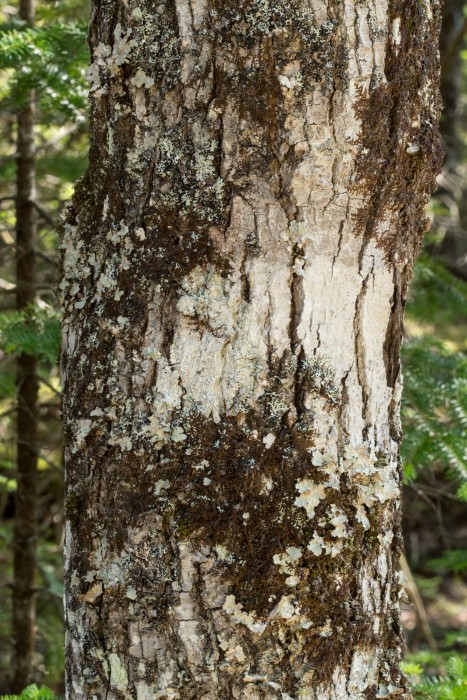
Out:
{"x": 360, "y": 354}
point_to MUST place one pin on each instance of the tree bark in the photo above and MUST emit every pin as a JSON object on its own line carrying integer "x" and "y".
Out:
{"x": 453, "y": 247}
{"x": 25, "y": 527}
{"x": 235, "y": 265}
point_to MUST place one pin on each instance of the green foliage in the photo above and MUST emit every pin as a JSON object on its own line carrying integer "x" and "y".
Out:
{"x": 462, "y": 492}
{"x": 456, "y": 638}
{"x": 7, "y": 383}
{"x": 52, "y": 59}
{"x": 412, "y": 669}
{"x": 453, "y": 560}
{"x": 434, "y": 408}
{"x": 7, "y": 484}
{"x": 434, "y": 402}
{"x": 35, "y": 332}
{"x": 437, "y": 296}
{"x": 451, "y": 685}
{"x": 32, "y": 692}
{"x": 434, "y": 416}
{"x": 49, "y": 59}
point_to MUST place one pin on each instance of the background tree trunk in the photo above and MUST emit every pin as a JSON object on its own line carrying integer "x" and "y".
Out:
{"x": 235, "y": 267}
{"x": 25, "y": 530}
{"x": 451, "y": 194}
{"x": 453, "y": 29}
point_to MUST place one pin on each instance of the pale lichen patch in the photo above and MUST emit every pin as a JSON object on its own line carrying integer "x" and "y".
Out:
{"x": 284, "y": 609}
{"x": 93, "y": 593}
{"x": 82, "y": 430}
{"x": 178, "y": 435}
{"x": 118, "y": 674}
{"x": 310, "y": 496}
{"x": 140, "y": 79}
{"x": 316, "y": 545}
{"x": 269, "y": 440}
{"x": 160, "y": 486}
{"x": 239, "y": 616}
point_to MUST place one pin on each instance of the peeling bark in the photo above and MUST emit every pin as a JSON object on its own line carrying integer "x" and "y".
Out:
{"x": 235, "y": 264}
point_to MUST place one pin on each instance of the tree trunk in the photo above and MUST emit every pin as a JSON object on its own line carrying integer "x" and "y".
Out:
{"x": 452, "y": 36}
{"x": 452, "y": 193}
{"x": 25, "y": 528}
{"x": 235, "y": 267}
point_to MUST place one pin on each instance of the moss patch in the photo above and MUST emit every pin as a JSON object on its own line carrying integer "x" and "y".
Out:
{"x": 401, "y": 153}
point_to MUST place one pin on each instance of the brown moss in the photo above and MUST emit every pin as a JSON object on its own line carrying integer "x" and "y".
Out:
{"x": 399, "y": 182}
{"x": 252, "y": 25}
{"x": 73, "y": 509}
{"x": 212, "y": 514}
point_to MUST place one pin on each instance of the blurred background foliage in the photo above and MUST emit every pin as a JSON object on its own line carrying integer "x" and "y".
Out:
{"x": 51, "y": 58}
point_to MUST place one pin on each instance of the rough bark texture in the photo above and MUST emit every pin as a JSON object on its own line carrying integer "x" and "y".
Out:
{"x": 25, "y": 529}
{"x": 234, "y": 274}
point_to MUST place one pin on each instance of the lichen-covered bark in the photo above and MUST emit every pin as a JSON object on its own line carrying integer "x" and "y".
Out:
{"x": 235, "y": 264}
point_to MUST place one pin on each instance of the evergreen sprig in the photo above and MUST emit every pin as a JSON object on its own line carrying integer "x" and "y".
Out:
{"x": 49, "y": 59}
{"x": 434, "y": 400}
{"x": 436, "y": 294}
{"x": 32, "y": 692}
{"x": 35, "y": 332}
{"x": 450, "y": 686}
{"x": 434, "y": 409}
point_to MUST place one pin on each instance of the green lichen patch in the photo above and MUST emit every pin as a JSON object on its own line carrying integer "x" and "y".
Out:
{"x": 400, "y": 149}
